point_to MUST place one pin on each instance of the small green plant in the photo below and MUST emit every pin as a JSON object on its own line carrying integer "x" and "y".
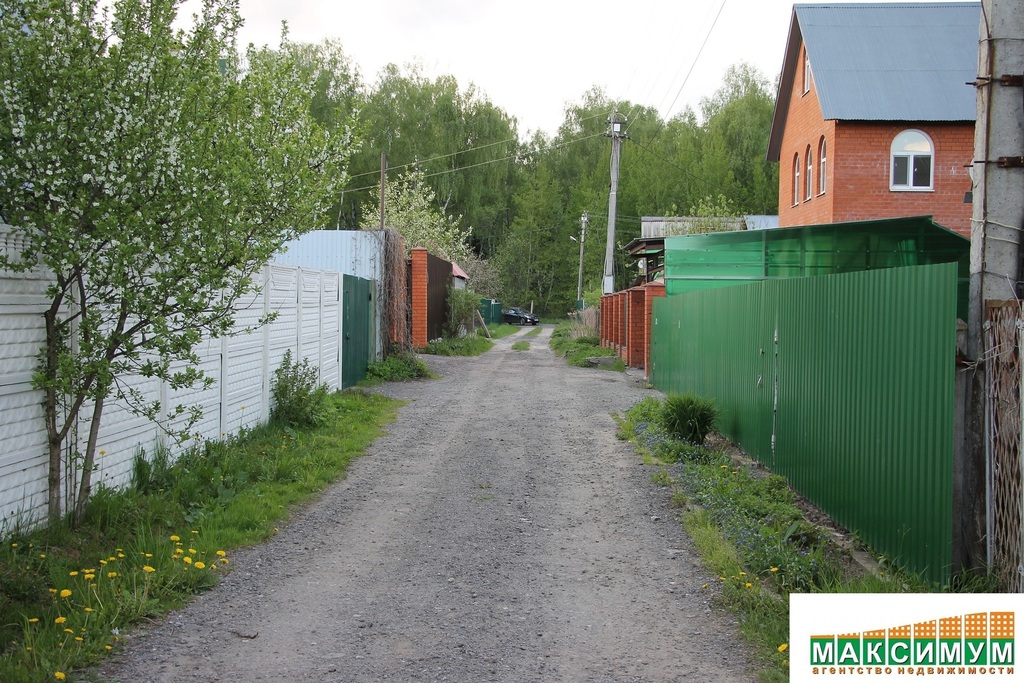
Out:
{"x": 521, "y": 346}
{"x": 299, "y": 399}
{"x": 464, "y": 346}
{"x": 534, "y": 332}
{"x": 689, "y": 417}
{"x": 397, "y": 368}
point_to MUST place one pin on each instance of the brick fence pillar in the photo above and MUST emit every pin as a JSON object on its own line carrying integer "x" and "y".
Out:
{"x": 652, "y": 291}
{"x": 418, "y": 302}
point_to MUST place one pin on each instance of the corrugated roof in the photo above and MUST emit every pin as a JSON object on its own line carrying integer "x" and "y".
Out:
{"x": 883, "y": 62}
{"x": 893, "y": 62}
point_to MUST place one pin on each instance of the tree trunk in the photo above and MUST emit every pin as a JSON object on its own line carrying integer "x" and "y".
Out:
{"x": 88, "y": 464}
{"x": 53, "y": 437}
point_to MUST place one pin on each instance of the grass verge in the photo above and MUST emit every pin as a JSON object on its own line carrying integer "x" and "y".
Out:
{"x": 470, "y": 345}
{"x": 578, "y": 346}
{"x": 754, "y": 539}
{"x": 521, "y": 346}
{"x": 534, "y": 332}
{"x": 66, "y": 594}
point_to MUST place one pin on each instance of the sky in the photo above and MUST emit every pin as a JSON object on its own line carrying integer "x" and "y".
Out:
{"x": 532, "y": 57}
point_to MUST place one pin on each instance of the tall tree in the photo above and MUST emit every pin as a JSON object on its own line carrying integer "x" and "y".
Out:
{"x": 151, "y": 176}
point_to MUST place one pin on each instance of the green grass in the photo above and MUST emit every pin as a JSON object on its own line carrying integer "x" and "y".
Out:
{"x": 521, "y": 346}
{"x": 64, "y": 593}
{"x": 472, "y": 345}
{"x": 396, "y": 368}
{"x": 576, "y": 348}
{"x": 754, "y": 540}
{"x": 503, "y": 330}
{"x": 534, "y": 332}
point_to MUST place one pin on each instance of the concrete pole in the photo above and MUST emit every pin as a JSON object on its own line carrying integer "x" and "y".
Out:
{"x": 383, "y": 184}
{"x": 996, "y": 223}
{"x": 617, "y": 133}
{"x": 583, "y": 236}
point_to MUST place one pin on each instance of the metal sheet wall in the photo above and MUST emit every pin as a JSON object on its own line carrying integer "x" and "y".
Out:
{"x": 843, "y": 384}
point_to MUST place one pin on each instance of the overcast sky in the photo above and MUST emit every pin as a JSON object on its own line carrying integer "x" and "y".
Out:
{"x": 531, "y": 57}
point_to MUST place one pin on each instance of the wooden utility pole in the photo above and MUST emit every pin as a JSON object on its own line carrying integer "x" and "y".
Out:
{"x": 617, "y": 132}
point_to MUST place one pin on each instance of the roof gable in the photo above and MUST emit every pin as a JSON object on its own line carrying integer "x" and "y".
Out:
{"x": 883, "y": 62}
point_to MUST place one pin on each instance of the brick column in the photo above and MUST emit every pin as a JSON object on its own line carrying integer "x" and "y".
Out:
{"x": 636, "y": 328}
{"x": 652, "y": 291}
{"x": 418, "y": 287}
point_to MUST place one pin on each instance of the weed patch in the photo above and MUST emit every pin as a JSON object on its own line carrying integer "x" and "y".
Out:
{"x": 521, "y": 346}
{"x": 471, "y": 345}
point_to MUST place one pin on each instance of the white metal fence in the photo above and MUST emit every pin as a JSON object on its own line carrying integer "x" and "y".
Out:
{"x": 308, "y": 323}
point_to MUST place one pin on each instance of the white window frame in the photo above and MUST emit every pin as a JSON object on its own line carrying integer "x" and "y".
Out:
{"x": 796, "y": 179}
{"x": 809, "y": 180}
{"x": 901, "y": 149}
{"x": 807, "y": 71}
{"x": 822, "y": 166}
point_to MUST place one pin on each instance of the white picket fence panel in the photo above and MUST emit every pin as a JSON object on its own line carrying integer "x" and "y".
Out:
{"x": 308, "y": 323}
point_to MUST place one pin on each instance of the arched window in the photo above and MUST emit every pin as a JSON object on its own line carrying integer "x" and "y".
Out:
{"x": 809, "y": 179}
{"x": 796, "y": 179}
{"x": 822, "y": 156}
{"x": 911, "y": 164}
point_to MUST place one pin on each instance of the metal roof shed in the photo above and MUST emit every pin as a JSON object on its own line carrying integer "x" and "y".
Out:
{"x": 697, "y": 262}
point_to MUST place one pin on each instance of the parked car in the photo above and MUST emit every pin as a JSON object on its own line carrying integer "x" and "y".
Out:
{"x": 517, "y": 316}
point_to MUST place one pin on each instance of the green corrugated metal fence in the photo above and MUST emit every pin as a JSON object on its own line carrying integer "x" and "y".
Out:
{"x": 357, "y": 328}
{"x": 490, "y": 311}
{"x": 844, "y": 384}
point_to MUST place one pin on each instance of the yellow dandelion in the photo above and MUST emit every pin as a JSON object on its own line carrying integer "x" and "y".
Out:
{"x": 59, "y": 675}
{"x": 90, "y": 577}
{"x": 42, "y": 556}
{"x": 107, "y": 647}
{"x": 52, "y": 590}
{"x": 33, "y": 620}
{"x": 743, "y": 573}
{"x": 78, "y": 638}
{"x": 103, "y": 452}
{"x": 200, "y": 565}
{"x": 28, "y": 649}
{"x": 65, "y": 593}
{"x": 748, "y": 584}
{"x": 148, "y": 569}
{"x": 783, "y": 647}
{"x": 704, "y": 586}
{"x": 148, "y": 555}
{"x": 195, "y": 532}
{"x": 14, "y": 545}
{"x": 68, "y": 630}
{"x": 175, "y": 537}
{"x": 89, "y": 571}
{"x": 188, "y": 560}
{"x": 88, "y": 609}
{"x": 191, "y": 551}
{"x": 221, "y": 553}
{"x": 773, "y": 570}
{"x": 120, "y": 556}
{"x": 103, "y": 563}
{"x": 72, "y": 573}
{"x": 785, "y": 662}
{"x": 111, "y": 575}
{"x": 223, "y": 560}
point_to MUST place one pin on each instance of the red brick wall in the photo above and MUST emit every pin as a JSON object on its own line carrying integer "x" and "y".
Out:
{"x": 418, "y": 287}
{"x": 652, "y": 290}
{"x": 863, "y": 163}
{"x": 857, "y": 168}
{"x": 636, "y": 329}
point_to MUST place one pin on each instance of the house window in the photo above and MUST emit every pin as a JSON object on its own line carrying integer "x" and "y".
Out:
{"x": 809, "y": 178}
{"x": 821, "y": 166}
{"x": 796, "y": 179}
{"x": 807, "y": 72}
{"x": 911, "y": 165}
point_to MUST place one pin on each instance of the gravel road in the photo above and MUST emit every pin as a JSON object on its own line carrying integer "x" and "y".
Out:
{"x": 499, "y": 532}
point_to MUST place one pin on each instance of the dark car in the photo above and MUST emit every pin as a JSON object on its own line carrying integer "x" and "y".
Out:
{"x": 517, "y": 316}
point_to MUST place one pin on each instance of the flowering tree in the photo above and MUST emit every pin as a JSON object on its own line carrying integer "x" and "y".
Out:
{"x": 152, "y": 171}
{"x": 410, "y": 208}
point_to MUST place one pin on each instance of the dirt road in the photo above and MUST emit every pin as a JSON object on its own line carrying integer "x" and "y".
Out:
{"x": 499, "y": 532}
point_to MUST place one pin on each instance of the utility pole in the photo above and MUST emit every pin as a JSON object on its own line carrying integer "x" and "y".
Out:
{"x": 583, "y": 236}
{"x": 383, "y": 183}
{"x": 617, "y": 132}
{"x": 997, "y": 220}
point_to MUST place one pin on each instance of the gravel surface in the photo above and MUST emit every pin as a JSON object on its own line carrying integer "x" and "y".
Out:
{"x": 499, "y": 532}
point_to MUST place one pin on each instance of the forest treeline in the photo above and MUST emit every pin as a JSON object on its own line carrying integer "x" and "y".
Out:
{"x": 519, "y": 195}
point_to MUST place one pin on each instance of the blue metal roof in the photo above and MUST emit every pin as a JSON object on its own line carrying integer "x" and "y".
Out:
{"x": 893, "y": 62}
{"x": 883, "y": 61}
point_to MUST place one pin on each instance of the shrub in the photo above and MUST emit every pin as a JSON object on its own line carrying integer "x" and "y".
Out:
{"x": 299, "y": 399}
{"x": 396, "y": 368}
{"x": 462, "y": 305}
{"x": 689, "y": 417}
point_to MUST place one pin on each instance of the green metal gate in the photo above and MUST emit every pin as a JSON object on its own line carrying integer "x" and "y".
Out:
{"x": 357, "y": 329}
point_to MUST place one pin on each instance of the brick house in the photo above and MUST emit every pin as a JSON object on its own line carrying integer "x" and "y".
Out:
{"x": 874, "y": 117}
